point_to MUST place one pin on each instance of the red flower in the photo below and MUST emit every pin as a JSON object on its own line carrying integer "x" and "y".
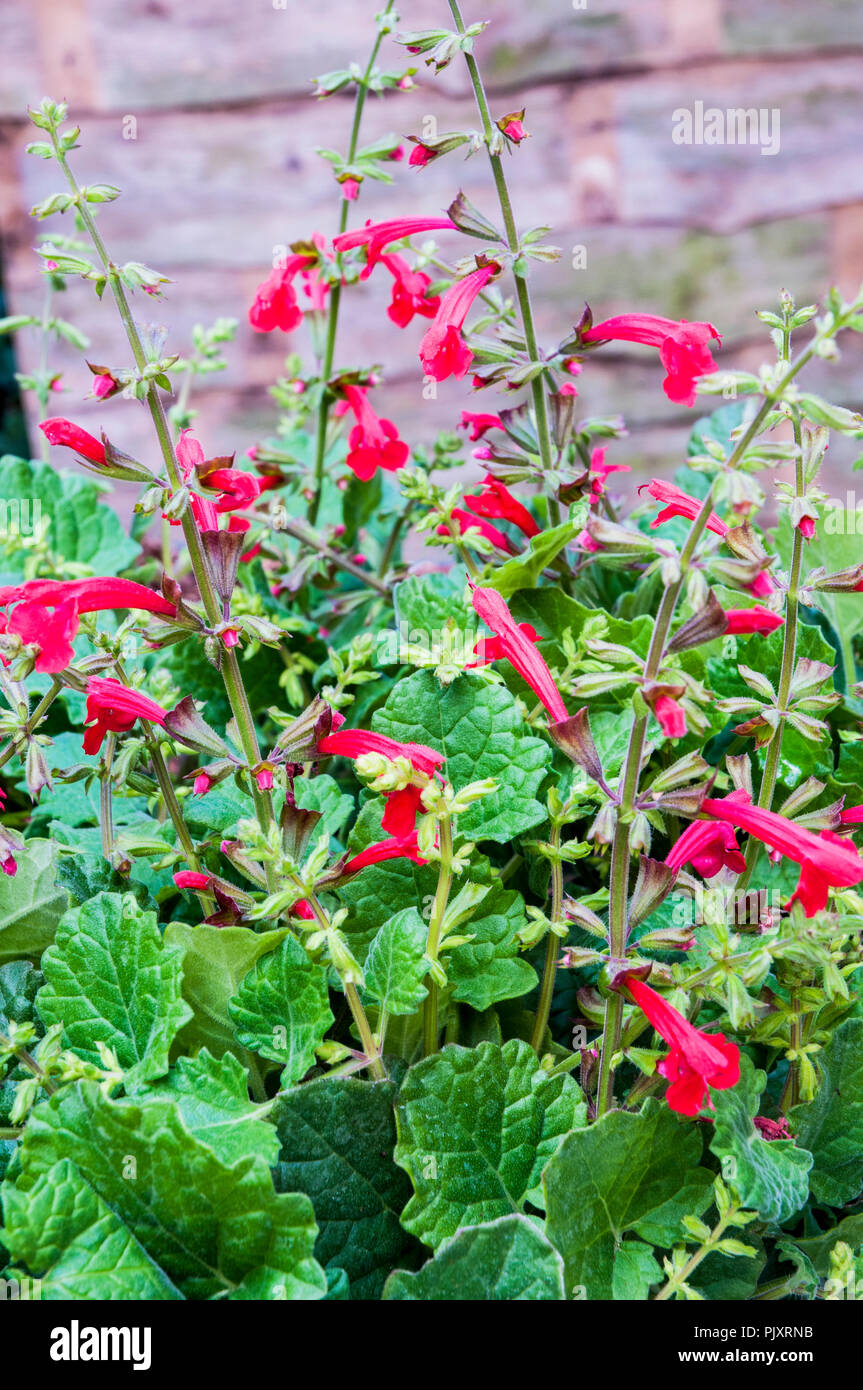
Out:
{"x": 443, "y": 351}
{"x": 496, "y": 501}
{"x": 383, "y": 850}
{"x": 275, "y": 303}
{"x": 201, "y": 784}
{"x": 187, "y": 878}
{"x": 238, "y": 489}
{"x": 671, "y": 716}
{"x": 466, "y": 520}
{"x": 479, "y": 424}
{"x": 373, "y": 443}
{"x": 47, "y": 611}
{"x": 113, "y": 708}
{"x": 517, "y": 646}
{"x": 409, "y": 292}
{"x": 103, "y": 385}
{"x": 695, "y": 1061}
{"x": 826, "y": 861}
{"x": 806, "y": 527}
{"x": 515, "y": 131}
{"x": 403, "y": 804}
{"x": 755, "y": 619}
{"x": 350, "y": 189}
{"x": 772, "y": 1129}
{"x": 421, "y": 155}
{"x": 683, "y": 348}
{"x": 377, "y": 236}
{"x": 599, "y": 473}
{"x": 708, "y": 847}
{"x": 70, "y": 436}
{"x": 679, "y": 503}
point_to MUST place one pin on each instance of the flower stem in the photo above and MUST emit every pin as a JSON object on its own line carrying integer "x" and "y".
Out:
{"x": 522, "y": 292}
{"x": 106, "y": 809}
{"x": 677, "y": 1281}
{"x": 438, "y": 912}
{"x": 552, "y": 949}
{"x": 231, "y": 674}
{"x": 370, "y": 1048}
{"x": 32, "y": 722}
{"x": 336, "y": 293}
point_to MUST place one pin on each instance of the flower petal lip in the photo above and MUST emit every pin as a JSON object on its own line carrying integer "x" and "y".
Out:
{"x": 378, "y": 235}
{"x": 58, "y": 430}
{"x": 353, "y": 743}
{"x": 839, "y": 863}
{"x": 696, "y": 1059}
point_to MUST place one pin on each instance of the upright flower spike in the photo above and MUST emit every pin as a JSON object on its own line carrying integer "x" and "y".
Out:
{"x": 275, "y": 303}
{"x": 47, "y": 612}
{"x": 518, "y": 648}
{"x": 683, "y": 348}
{"x": 443, "y": 351}
{"x": 410, "y": 292}
{"x": 413, "y": 766}
{"x": 826, "y": 860}
{"x": 70, "y": 436}
{"x": 113, "y": 708}
{"x": 696, "y": 1059}
{"x": 373, "y": 443}
{"x": 377, "y": 236}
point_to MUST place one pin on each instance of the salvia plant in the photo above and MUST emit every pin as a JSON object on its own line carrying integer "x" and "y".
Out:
{"x": 429, "y": 873}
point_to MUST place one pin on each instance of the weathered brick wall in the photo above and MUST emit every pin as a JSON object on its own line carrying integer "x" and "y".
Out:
{"x": 223, "y": 169}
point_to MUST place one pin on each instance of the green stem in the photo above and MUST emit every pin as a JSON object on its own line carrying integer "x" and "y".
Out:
{"x": 45, "y": 337}
{"x": 231, "y": 675}
{"x": 172, "y": 805}
{"x": 522, "y": 292}
{"x": 552, "y": 948}
{"x": 32, "y": 722}
{"x": 676, "y": 1281}
{"x": 106, "y": 808}
{"x": 370, "y": 1048}
{"x": 336, "y": 293}
{"x": 438, "y": 912}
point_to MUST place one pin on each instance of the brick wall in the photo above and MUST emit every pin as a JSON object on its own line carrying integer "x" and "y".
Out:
{"x": 223, "y": 169}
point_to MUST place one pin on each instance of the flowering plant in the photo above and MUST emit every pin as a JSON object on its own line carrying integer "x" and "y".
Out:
{"x": 456, "y": 883}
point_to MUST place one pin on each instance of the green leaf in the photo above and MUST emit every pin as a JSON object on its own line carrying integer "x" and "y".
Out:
{"x": 19, "y": 984}
{"x": 604, "y": 1180}
{"x": 215, "y": 962}
{"x": 488, "y": 969}
{"x": 110, "y": 978}
{"x": 31, "y": 904}
{"x": 337, "y": 1138}
{"x": 831, "y": 1126}
{"x": 523, "y": 571}
{"x": 206, "y": 1225}
{"x": 68, "y": 1237}
{"x": 479, "y": 729}
{"x": 324, "y": 795}
{"x": 212, "y": 1096}
{"x": 427, "y": 603}
{"x": 282, "y": 1009}
{"x": 81, "y": 528}
{"x": 508, "y": 1260}
{"x": 476, "y": 1128}
{"x": 635, "y": 1271}
{"x": 395, "y": 967}
{"x": 770, "y": 1176}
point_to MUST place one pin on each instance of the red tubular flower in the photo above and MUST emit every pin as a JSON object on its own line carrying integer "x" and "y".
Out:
{"x": 679, "y": 503}
{"x": 695, "y": 1061}
{"x": 465, "y": 520}
{"x": 600, "y": 471}
{"x": 385, "y": 849}
{"x": 187, "y": 878}
{"x": 826, "y": 860}
{"x": 708, "y": 847}
{"x": 515, "y": 131}
{"x": 403, "y": 805}
{"x": 350, "y": 190}
{"x": 852, "y": 816}
{"x": 421, "y": 155}
{"x": 373, "y": 443}
{"x": 201, "y": 785}
{"x": 683, "y": 348}
{"x": 377, "y": 236}
{"x": 275, "y": 303}
{"x": 671, "y": 716}
{"x": 113, "y": 708}
{"x": 409, "y": 292}
{"x": 497, "y": 501}
{"x": 443, "y": 351}
{"x": 806, "y": 527}
{"x": 71, "y": 436}
{"x": 479, "y": 424}
{"x": 303, "y": 909}
{"x": 238, "y": 489}
{"x": 47, "y": 611}
{"x": 755, "y": 619}
{"x": 517, "y": 647}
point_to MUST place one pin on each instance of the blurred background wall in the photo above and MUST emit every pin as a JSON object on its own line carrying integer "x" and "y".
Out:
{"x": 223, "y": 169}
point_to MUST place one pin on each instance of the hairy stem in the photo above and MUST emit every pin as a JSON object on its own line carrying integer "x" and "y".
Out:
{"x": 552, "y": 949}
{"x": 438, "y": 912}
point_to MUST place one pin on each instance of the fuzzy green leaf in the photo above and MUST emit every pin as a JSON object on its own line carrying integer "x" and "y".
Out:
{"x": 508, "y": 1260}
{"x": 282, "y": 1010}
